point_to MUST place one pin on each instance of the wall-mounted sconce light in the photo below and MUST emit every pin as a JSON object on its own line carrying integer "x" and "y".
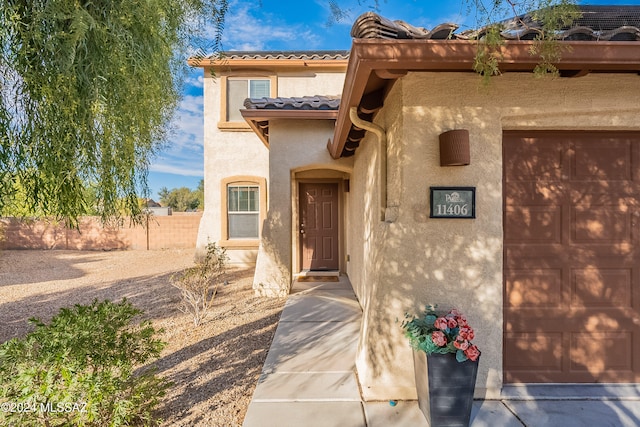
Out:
{"x": 454, "y": 148}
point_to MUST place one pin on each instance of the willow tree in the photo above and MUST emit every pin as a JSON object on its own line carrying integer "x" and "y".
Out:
{"x": 544, "y": 17}
{"x": 88, "y": 92}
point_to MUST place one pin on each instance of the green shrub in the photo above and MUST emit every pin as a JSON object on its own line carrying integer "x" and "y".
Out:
{"x": 199, "y": 284}
{"x": 79, "y": 370}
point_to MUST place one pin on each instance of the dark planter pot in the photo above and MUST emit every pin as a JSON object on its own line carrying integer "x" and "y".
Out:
{"x": 445, "y": 388}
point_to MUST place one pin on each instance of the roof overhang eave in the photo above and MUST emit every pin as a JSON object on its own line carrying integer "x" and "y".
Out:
{"x": 374, "y": 61}
{"x": 258, "y": 119}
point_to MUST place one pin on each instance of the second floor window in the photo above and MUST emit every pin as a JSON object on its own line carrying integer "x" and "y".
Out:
{"x": 239, "y": 89}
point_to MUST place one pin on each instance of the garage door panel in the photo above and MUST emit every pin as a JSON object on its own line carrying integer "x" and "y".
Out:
{"x": 539, "y": 259}
{"x": 545, "y": 376}
{"x": 601, "y": 352}
{"x": 601, "y": 224}
{"x": 534, "y": 224}
{"x": 541, "y": 350}
{"x": 534, "y": 351}
{"x": 602, "y": 255}
{"x": 600, "y": 160}
{"x": 571, "y": 319}
{"x": 541, "y": 288}
{"x": 622, "y": 194}
{"x": 532, "y": 193}
{"x": 593, "y": 287}
{"x": 533, "y": 160}
{"x": 558, "y": 320}
{"x": 572, "y": 257}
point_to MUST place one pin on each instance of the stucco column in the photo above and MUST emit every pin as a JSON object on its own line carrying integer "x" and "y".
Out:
{"x": 273, "y": 265}
{"x": 273, "y": 274}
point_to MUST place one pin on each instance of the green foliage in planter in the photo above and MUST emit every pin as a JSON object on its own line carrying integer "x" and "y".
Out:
{"x": 79, "y": 370}
{"x": 440, "y": 333}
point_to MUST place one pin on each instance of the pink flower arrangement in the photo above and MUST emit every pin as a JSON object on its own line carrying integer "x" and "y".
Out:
{"x": 436, "y": 332}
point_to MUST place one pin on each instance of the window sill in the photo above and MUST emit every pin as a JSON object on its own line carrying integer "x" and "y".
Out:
{"x": 240, "y": 244}
{"x": 234, "y": 126}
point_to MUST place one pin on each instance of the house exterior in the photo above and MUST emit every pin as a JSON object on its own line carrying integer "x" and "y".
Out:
{"x": 547, "y": 269}
{"x": 237, "y": 173}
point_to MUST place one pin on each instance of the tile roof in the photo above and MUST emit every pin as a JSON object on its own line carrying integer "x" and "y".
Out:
{"x": 308, "y": 55}
{"x": 607, "y": 23}
{"x": 388, "y": 50}
{"x": 259, "y": 111}
{"x": 610, "y": 23}
{"x": 298, "y": 103}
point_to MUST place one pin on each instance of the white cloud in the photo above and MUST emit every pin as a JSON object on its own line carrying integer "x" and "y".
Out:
{"x": 176, "y": 168}
{"x": 191, "y": 105}
{"x": 250, "y": 27}
{"x": 195, "y": 81}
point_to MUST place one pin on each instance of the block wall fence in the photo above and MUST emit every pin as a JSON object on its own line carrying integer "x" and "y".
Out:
{"x": 178, "y": 231}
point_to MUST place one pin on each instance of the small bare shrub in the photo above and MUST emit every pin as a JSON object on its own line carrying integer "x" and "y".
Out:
{"x": 199, "y": 283}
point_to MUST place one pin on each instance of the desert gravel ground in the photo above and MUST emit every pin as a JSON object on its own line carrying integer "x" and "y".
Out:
{"x": 214, "y": 367}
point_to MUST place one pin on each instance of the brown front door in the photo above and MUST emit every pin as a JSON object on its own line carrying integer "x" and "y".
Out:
{"x": 319, "y": 226}
{"x": 572, "y": 257}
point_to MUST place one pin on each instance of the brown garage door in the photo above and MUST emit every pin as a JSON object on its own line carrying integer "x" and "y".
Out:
{"x": 572, "y": 257}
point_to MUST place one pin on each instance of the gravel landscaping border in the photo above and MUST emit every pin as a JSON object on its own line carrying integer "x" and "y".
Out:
{"x": 214, "y": 367}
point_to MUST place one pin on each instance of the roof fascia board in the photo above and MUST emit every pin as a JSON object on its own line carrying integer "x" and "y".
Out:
{"x": 356, "y": 80}
{"x": 266, "y": 114}
{"x": 459, "y": 55}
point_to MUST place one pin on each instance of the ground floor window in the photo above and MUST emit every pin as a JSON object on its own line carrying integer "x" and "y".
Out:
{"x": 243, "y": 211}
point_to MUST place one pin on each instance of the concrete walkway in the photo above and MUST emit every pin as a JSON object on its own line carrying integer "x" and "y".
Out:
{"x": 309, "y": 379}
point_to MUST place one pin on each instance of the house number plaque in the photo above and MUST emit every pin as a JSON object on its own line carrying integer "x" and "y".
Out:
{"x": 453, "y": 202}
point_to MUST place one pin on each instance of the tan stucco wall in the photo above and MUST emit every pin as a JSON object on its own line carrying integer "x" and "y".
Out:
{"x": 221, "y": 160}
{"x": 295, "y": 146}
{"x": 401, "y": 265}
{"x": 310, "y": 84}
{"x": 236, "y": 153}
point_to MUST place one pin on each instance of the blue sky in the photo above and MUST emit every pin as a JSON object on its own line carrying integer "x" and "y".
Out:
{"x": 284, "y": 25}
